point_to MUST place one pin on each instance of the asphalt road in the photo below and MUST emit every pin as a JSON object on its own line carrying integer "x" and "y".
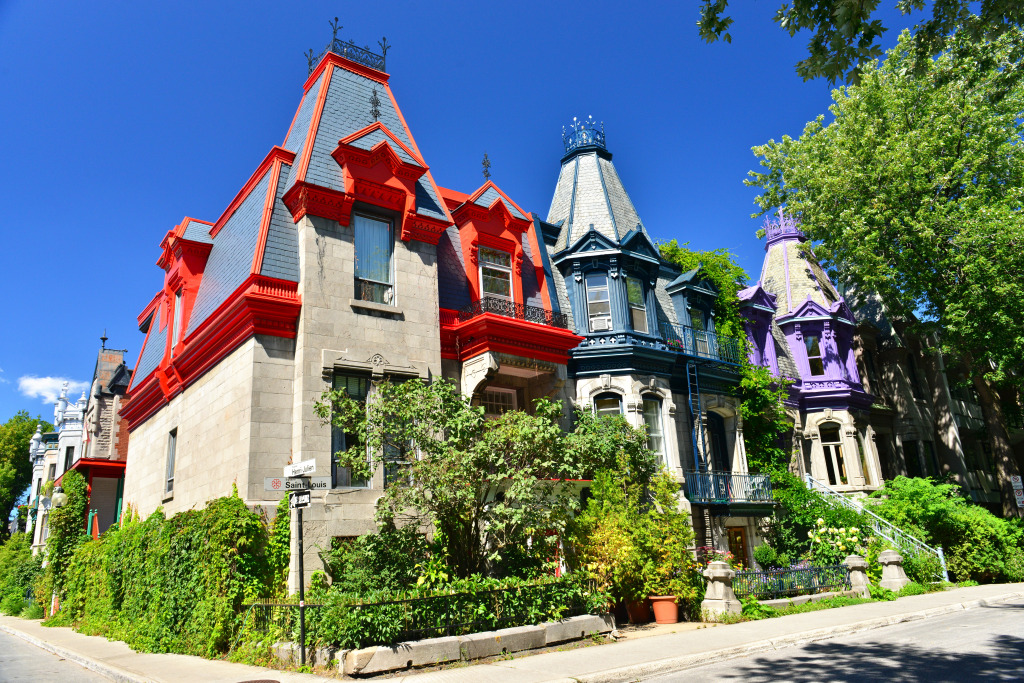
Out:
{"x": 981, "y": 644}
{"x": 21, "y": 661}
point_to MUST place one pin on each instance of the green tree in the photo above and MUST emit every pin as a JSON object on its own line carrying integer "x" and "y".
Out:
{"x": 846, "y": 31}
{"x": 488, "y": 488}
{"x": 15, "y": 466}
{"x": 915, "y": 193}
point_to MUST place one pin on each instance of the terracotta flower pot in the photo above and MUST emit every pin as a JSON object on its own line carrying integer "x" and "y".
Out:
{"x": 666, "y": 610}
{"x": 639, "y": 611}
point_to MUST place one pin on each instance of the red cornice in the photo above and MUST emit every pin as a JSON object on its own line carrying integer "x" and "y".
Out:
{"x": 268, "y": 212}
{"x": 492, "y": 332}
{"x": 377, "y": 125}
{"x": 100, "y": 467}
{"x": 346, "y": 154}
{"x": 274, "y": 154}
{"x": 303, "y": 198}
{"x": 261, "y": 305}
{"x": 423, "y": 229}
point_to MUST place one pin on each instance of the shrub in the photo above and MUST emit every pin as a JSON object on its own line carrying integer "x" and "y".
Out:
{"x": 797, "y": 513}
{"x": 19, "y": 569}
{"x": 390, "y": 559}
{"x": 831, "y": 545}
{"x": 766, "y": 556}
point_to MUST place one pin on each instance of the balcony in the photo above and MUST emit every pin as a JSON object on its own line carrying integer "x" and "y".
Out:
{"x": 704, "y": 344}
{"x": 509, "y": 309}
{"x": 743, "y": 493}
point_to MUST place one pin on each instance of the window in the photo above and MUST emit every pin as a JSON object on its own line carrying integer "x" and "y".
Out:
{"x": 374, "y": 246}
{"x": 869, "y": 363}
{"x": 607, "y": 404}
{"x": 172, "y": 444}
{"x": 497, "y": 401}
{"x": 652, "y": 418}
{"x": 697, "y": 319}
{"x": 637, "y": 308}
{"x": 912, "y": 459}
{"x": 495, "y": 274}
{"x": 39, "y": 486}
{"x": 176, "y": 335}
{"x": 599, "y": 308}
{"x": 915, "y": 382}
{"x": 357, "y": 388}
{"x": 720, "y": 460}
{"x": 69, "y": 457}
{"x": 52, "y": 473}
{"x": 863, "y": 459}
{"x": 814, "y": 355}
{"x": 831, "y": 444}
{"x": 932, "y": 458}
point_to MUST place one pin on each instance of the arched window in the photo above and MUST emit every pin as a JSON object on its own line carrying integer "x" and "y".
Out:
{"x": 655, "y": 433}
{"x": 607, "y": 404}
{"x": 831, "y": 444}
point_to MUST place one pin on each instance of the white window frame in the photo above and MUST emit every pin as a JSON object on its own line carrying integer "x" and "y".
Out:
{"x": 832, "y": 451}
{"x": 172, "y": 448}
{"x": 606, "y": 395}
{"x": 176, "y": 329}
{"x": 499, "y": 268}
{"x": 592, "y": 317}
{"x": 659, "y": 419}
{"x": 498, "y": 390}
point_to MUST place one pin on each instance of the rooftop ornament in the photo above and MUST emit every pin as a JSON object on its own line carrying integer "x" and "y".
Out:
{"x": 583, "y": 134}
{"x": 784, "y": 226}
{"x": 349, "y": 50}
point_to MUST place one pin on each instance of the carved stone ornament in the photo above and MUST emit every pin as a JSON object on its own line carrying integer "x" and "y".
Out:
{"x": 576, "y": 274}
{"x": 377, "y": 360}
{"x": 799, "y": 335}
{"x": 474, "y": 252}
{"x": 613, "y": 271}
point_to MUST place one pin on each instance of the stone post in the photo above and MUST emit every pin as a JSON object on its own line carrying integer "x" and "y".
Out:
{"x": 858, "y": 575}
{"x": 719, "y": 598}
{"x": 893, "y": 576}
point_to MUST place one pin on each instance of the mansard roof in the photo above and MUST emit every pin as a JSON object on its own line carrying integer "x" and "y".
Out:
{"x": 792, "y": 274}
{"x": 589, "y": 193}
{"x": 755, "y": 296}
{"x": 693, "y": 280}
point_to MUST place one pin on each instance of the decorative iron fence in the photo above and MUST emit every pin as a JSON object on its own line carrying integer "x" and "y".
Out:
{"x": 350, "y": 50}
{"x": 704, "y": 344}
{"x": 510, "y": 309}
{"x": 726, "y": 487}
{"x": 265, "y": 616}
{"x": 781, "y": 583}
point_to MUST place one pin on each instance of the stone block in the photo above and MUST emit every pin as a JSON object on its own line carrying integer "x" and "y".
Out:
{"x": 490, "y": 643}
{"x": 577, "y": 627}
{"x": 372, "y": 660}
{"x": 893, "y": 576}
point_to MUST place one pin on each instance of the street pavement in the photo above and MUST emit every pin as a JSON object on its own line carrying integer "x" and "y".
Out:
{"x": 983, "y": 644}
{"x": 637, "y": 658}
{"x": 21, "y": 661}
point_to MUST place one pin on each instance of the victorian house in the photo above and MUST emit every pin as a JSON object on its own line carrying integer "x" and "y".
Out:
{"x": 341, "y": 262}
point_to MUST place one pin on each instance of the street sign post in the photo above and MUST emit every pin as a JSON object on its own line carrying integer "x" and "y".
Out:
{"x": 300, "y": 468}
{"x": 296, "y": 483}
{"x": 299, "y": 500}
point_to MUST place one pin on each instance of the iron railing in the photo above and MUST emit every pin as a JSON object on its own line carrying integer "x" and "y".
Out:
{"x": 781, "y": 583}
{"x": 703, "y": 344}
{"x": 263, "y": 617}
{"x": 726, "y": 487}
{"x": 349, "y": 50}
{"x": 510, "y": 309}
{"x": 903, "y": 541}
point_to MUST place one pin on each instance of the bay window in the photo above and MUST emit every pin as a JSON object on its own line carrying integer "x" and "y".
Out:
{"x": 599, "y": 307}
{"x": 374, "y": 247}
{"x": 637, "y": 307}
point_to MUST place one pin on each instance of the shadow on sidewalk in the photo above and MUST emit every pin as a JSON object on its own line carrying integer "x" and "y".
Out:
{"x": 1001, "y": 660}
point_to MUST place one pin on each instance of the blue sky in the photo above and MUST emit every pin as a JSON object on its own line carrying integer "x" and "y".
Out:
{"x": 120, "y": 118}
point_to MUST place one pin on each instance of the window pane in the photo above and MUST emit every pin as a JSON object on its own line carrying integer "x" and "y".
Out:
{"x": 607, "y": 405}
{"x": 639, "y": 319}
{"x": 597, "y": 288}
{"x": 812, "y": 346}
{"x": 499, "y": 258}
{"x": 496, "y": 282}
{"x": 598, "y": 304}
{"x": 356, "y": 388}
{"x": 635, "y": 291}
{"x": 697, "y": 319}
{"x": 817, "y": 368}
{"x": 652, "y": 418}
{"x": 373, "y": 249}
{"x": 829, "y": 433}
{"x": 497, "y": 402}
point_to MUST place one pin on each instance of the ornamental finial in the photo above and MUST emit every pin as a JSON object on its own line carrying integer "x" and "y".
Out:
{"x": 784, "y": 226}
{"x": 583, "y": 134}
{"x": 486, "y": 163}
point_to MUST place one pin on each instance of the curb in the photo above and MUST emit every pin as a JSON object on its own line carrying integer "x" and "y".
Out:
{"x": 112, "y": 672}
{"x": 681, "y": 663}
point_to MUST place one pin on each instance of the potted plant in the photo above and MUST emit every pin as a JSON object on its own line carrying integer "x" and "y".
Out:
{"x": 671, "y": 571}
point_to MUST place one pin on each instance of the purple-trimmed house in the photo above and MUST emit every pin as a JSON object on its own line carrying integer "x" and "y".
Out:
{"x": 801, "y": 328}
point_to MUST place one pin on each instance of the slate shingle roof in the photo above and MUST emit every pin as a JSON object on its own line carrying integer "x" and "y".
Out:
{"x": 281, "y": 254}
{"x": 153, "y": 349}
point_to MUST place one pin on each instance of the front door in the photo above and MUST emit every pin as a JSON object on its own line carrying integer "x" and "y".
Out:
{"x": 738, "y": 544}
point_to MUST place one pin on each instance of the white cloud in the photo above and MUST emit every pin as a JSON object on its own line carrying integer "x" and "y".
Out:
{"x": 3, "y": 380}
{"x": 48, "y": 388}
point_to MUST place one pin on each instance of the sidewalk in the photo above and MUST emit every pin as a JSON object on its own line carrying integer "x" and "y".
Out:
{"x": 673, "y": 649}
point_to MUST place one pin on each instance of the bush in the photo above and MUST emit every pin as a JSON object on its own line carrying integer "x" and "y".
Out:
{"x": 19, "y": 570}
{"x": 978, "y": 545}
{"x": 170, "y": 585}
{"x": 797, "y": 514}
{"x": 389, "y": 560}
{"x": 766, "y": 556}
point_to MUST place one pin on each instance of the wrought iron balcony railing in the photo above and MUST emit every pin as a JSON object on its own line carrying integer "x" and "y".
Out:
{"x": 350, "y": 50}
{"x": 703, "y": 344}
{"x": 722, "y": 488}
{"x": 511, "y": 309}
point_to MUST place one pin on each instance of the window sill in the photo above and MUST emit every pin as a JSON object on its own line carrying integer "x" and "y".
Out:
{"x": 168, "y": 497}
{"x": 387, "y": 309}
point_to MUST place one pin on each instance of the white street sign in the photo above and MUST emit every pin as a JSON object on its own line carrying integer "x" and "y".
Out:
{"x": 1018, "y": 494}
{"x": 296, "y": 483}
{"x": 1015, "y": 481}
{"x": 300, "y": 468}
{"x": 299, "y": 499}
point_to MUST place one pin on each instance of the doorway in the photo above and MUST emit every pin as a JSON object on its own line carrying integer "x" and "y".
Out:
{"x": 738, "y": 544}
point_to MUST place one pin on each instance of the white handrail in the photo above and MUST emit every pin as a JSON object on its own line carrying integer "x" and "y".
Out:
{"x": 883, "y": 528}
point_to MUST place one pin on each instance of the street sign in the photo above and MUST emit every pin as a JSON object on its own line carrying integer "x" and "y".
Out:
{"x": 299, "y": 499}
{"x": 1016, "y": 483}
{"x": 296, "y": 483}
{"x": 1018, "y": 494}
{"x": 300, "y": 468}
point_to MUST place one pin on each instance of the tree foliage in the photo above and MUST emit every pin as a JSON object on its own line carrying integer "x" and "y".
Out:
{"x": 846, "y": 32}
{"x": 915, "y": 192}
{"x": 491, "y": 490}
{"x": 15, "y": 466}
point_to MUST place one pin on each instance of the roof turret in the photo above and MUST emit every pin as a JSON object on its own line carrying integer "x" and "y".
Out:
{"x": 790, "y": 272}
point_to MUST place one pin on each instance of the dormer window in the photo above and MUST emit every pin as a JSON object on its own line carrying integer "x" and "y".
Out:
{"x": 374, "y": 246}
{"x": 495, "y": 274}
{"x": 814, "y": 355}
{"x": 697, "y": 319}
{"x": 637, "y": 307}
{"x": 599, "y": 309}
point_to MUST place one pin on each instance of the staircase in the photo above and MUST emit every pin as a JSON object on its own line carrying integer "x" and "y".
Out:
{"x": 907, "y": 544}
